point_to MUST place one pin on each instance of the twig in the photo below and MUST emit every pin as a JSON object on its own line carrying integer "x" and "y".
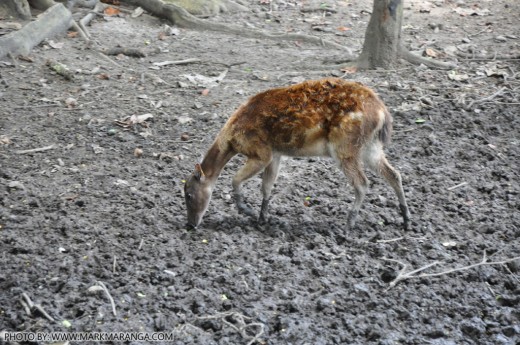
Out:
{"x": 457, "y": 186}
{"x": 83, "y": 32}
{"x": 485, "y": 99}
{"x": 37, "y": 106}
{"x": 39, "y": 149}
{"x": 43, "y": 312}
{"x": 29, "y": 306}
{"x": 177, "y": 62}
{"x": 242, "y": 324}
{"x": 401, "y": 238}
{"x": 391, "y": 240}
{"x": 411, "y": 274}
{"x": 114, "y": 264}
{"x": 27, "y": 303}
{"x": 140, "y": 244}
{"x": 110, "y": 60}
{"x": 112, "y": 303}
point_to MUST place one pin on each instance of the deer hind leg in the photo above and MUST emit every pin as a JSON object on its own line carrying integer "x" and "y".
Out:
{"x": 393, "y": 178}
{"x": 252, "y": 167}
{"x": 268, "y": 180}
{"x": 380, "y": 165}
{"x": 352, "y": 168}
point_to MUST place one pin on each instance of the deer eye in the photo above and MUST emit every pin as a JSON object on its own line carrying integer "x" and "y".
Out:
{"x": 189, "y": 196}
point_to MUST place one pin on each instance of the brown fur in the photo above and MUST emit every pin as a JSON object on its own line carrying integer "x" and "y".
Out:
{"x": 288, "y": 119}
{"x": 327, "y": 117}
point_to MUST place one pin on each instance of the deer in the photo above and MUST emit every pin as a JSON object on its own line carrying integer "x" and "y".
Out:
{"x": 330, "y": 117}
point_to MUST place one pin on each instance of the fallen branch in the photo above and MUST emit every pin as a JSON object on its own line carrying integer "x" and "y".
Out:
{"x": 54, "y": 20}
{"x": 112, "y": 303}
{"x": 61, "y": 69}
{"x": 39, "y": 149}
{"x": 133, "y": 52}
{"x": 403, "y": 275}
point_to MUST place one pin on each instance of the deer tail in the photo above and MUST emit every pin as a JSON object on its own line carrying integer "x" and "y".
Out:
{"x": 385, "y": 132}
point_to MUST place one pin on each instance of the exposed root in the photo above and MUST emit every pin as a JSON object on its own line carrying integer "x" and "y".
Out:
{"x": 54, "y": 20}
{"x": 180, "y": 17}
{"x": 417, "y": 60}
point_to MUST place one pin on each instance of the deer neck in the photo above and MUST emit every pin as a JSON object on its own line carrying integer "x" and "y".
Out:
{"x": 214, "y": 161}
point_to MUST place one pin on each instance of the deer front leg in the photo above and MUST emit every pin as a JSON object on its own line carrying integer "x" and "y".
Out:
{"x": 268, "y": 180}
{"x": 251, "y": 168}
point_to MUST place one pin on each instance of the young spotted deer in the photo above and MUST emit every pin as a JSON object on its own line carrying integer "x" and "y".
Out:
{"x": 330, "y": 117}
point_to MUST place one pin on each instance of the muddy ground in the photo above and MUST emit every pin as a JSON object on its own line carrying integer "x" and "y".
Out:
{"x": 91, "y": 209}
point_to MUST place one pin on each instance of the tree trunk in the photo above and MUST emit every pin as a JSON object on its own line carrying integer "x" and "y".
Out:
{"x": 18, "y": 8}
{"x": 383, "y": 35}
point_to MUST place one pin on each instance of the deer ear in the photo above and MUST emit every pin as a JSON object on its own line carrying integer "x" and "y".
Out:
{"x": 199, "y": 174}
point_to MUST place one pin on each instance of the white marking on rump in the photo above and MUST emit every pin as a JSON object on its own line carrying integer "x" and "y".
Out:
{"x": 372, "y": 154}
{"x": 356, "y": 115}
{"x": 381, "y": 115}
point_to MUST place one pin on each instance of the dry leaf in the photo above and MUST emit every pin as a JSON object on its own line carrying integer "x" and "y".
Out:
{"x": 205, "y": 92}
{"x": 71, "y": 102}
{"x": 452, "y": 75}
{"x": 72, "y": 34}
{"x": 349, "y": 70}
{"x": 111, "y": 11}
{"x": 25, "y": 58}
{"x": 430, "y": 52}
{"x": 137, "y": 12}
{"x": 184, "y": 119}
{"x": 103, "y": 76}
{"x": 56, "y": 45}
{"x": 5, "y": 140}
{"x": 130, "y": 121}
{"x": 344, "y": 28}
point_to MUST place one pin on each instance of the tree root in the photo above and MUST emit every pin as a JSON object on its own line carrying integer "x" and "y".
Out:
{"x": 180, "y": 17}
{"x": 417, "y": 60}
{"x": 54, "y": 20}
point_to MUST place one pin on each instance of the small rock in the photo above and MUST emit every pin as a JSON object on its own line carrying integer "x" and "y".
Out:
{"x": 514, "y": 266}
{"x": 16, "y": 185}
{"x": 185, "y": 137}
{"x": 473, "y": 327}
{"x": 501, "y": 38}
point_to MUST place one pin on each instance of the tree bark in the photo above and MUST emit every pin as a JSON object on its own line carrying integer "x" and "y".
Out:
{"x": 18, "y": 8}
{"x": 383, "y": 35}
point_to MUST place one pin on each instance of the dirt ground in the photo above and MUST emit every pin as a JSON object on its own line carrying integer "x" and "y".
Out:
{"x": 90, "y": 211}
